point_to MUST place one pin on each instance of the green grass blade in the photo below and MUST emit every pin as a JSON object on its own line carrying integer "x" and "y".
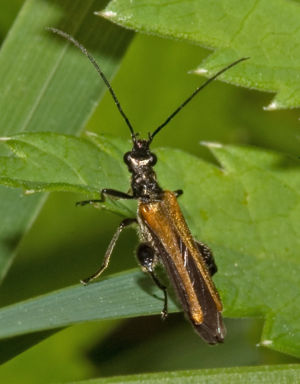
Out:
{"x": 125, "y": 295}
{"x": 46, "y": 85}
{"x": 279, "y": 374}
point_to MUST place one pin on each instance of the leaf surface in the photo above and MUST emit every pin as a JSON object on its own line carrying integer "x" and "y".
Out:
{"x": 247, "y": 211}
{"x": 267, "y": 32}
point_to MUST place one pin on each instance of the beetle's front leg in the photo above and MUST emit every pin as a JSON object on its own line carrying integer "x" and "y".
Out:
{"x": 107, "y": 192}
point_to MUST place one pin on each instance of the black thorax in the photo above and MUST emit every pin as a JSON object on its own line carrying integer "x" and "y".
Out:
{"x": 140, "y": 161}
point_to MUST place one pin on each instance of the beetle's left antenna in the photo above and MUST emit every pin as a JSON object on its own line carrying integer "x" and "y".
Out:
{"x": 93, "y": 61}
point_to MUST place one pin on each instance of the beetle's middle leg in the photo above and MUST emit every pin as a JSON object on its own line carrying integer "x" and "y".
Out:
{"x": 109, "y": 250}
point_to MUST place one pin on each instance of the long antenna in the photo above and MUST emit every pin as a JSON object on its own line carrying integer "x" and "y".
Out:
{"x": 93, "y": 61}
{"x": 194, "y": 94}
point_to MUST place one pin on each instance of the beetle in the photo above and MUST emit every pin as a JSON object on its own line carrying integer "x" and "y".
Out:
{"x": 164, "y": 233}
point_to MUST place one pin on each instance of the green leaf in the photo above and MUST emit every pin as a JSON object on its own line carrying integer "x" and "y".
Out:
{"x": 46, "y": 85}
{"x": 52, "y": 162}
{"x": 267, "y": 32}
{"x": 49, "y": 161}
{"x": 125, "y": 295}
{"x": 280, "y": 374}
{"x": 247, "y": 211}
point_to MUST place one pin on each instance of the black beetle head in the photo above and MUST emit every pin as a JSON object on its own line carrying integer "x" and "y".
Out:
{"x": 140, "y": 156}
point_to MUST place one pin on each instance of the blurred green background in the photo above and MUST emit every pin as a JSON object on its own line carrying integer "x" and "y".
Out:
{"x": 66, "y": 243}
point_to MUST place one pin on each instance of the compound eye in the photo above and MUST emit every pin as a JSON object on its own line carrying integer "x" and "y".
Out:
{"x": 127, "y": 158}
{"x": 153, "y": 159}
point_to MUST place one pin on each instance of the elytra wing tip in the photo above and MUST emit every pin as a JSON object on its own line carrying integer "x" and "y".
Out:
{"x": 209, "y": 336}
{"x": 212, "y": 334}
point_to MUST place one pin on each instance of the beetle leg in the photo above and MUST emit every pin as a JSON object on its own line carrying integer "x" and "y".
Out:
{"x": 178, "y": 192}
{"x": 146, "y": 258}
{"x": 109, "y": 250}
{"x": 107, "y": 192}
{"x": 208, "y": 257}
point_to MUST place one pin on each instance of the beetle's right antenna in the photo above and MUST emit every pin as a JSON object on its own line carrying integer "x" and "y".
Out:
{"x": 193, "y": 95}
{"x": 93, "y": 61}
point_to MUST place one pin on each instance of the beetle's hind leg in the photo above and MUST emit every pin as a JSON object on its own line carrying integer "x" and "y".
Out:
{"x": 178, "y": 192}
{"x": 146, "y": 258}
{"x": 208, "y": 257}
